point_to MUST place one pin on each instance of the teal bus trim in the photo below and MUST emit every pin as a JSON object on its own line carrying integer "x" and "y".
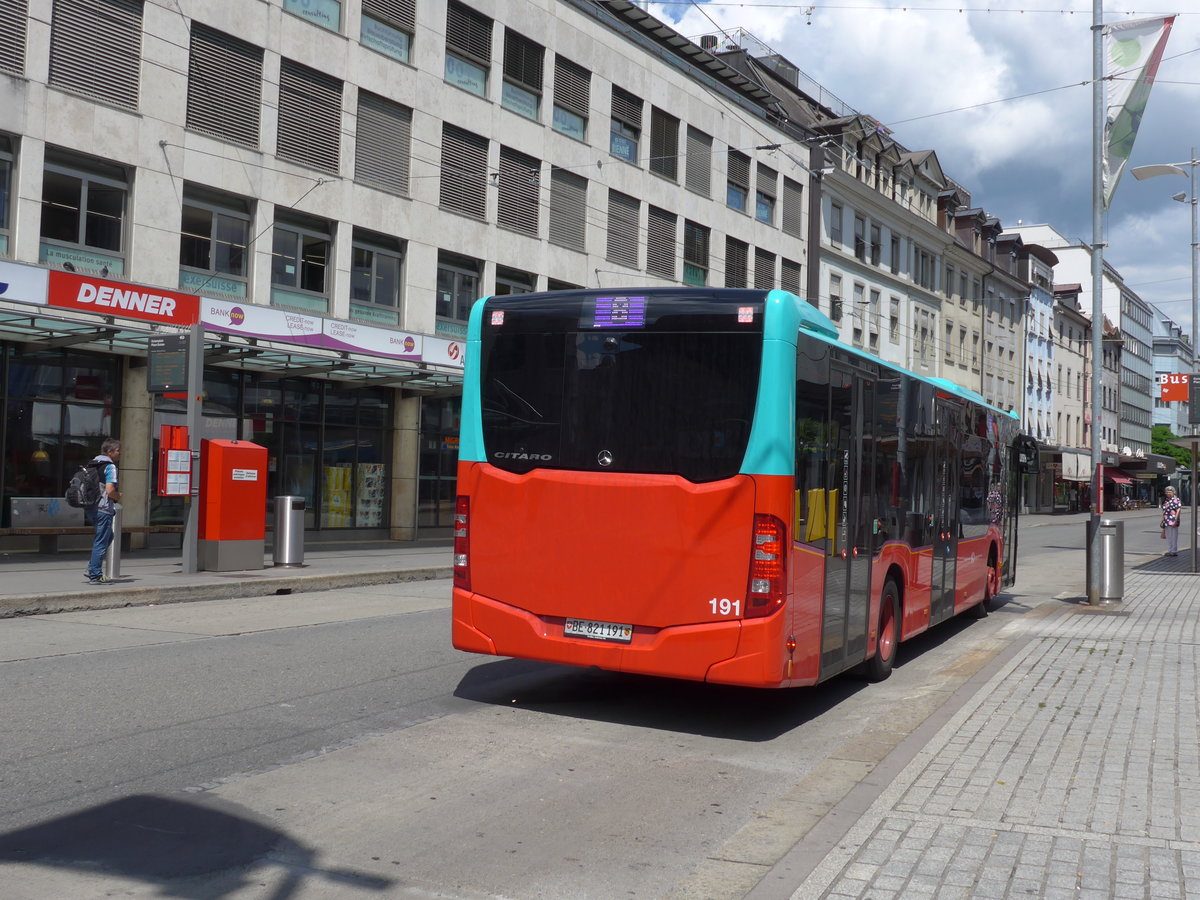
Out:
{"x": 470, "y": 447}
{"x": 771, "y": 448}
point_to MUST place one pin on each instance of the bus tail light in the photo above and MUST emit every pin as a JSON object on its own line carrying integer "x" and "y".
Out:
{"x": 768, "y": 567}
{"x": 462, "y": 549}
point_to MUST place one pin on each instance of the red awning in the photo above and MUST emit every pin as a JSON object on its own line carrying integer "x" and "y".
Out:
{"x": 1117, "y": 476}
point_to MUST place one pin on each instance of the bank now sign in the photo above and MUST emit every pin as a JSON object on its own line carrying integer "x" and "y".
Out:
{"x": 119, "y": 298}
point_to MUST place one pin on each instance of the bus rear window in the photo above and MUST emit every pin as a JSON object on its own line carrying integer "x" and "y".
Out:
{"x": 638, "y": 400}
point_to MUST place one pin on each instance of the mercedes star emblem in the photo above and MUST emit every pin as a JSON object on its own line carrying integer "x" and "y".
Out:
{"x": 605, "y": 458}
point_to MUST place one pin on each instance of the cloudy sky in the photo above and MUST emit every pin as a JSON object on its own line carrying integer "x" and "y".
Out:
{"x": 931, "y": 69}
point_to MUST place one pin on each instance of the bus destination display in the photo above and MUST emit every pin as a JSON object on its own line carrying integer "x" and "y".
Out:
{"x": 619, "y": 312}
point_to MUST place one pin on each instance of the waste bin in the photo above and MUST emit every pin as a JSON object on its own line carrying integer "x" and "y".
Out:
{"x": 289, "y": 531}
{"x": 1111, "y": 542}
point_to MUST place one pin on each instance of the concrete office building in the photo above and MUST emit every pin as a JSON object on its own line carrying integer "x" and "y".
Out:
{"x": 347, "y": 176}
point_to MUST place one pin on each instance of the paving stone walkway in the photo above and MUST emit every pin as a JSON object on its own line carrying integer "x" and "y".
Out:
{"x": 1074, "y": 774}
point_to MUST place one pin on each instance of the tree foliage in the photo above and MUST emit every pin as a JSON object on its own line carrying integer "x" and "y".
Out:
{"x": 1160, "y": 436}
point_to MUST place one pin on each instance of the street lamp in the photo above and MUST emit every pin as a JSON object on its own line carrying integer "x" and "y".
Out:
{"x": 1141, "y": 173}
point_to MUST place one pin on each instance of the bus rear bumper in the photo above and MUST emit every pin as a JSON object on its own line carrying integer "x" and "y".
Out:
{"x": 700, "y": 652}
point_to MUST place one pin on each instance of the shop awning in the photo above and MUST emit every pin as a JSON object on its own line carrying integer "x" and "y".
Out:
{"x": 44, "y": 327}
{"x": 1117, "y": 476}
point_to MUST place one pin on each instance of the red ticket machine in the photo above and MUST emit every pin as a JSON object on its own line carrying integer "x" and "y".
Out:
{"x": 233, "y": 506}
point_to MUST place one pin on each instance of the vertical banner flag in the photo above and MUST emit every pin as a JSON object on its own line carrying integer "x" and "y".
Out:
{"x": 1133, "y": 51}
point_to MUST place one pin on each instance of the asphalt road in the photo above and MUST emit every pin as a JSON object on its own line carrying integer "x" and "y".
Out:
{"x": 335, "y": 745}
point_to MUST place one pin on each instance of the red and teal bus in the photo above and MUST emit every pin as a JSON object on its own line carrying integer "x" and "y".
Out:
{"x": 707, "y": 484}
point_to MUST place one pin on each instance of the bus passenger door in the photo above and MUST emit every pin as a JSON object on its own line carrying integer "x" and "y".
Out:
{"x": 848, "y": 566}
{"x": 945, "y": 512}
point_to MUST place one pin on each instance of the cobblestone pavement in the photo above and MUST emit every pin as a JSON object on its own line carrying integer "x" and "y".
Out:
{"x": 1074, "y": 774}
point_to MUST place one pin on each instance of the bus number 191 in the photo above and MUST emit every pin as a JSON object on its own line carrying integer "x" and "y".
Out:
{"x": 725, "y": 606}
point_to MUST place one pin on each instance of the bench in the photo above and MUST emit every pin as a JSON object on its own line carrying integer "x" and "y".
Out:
{"x": 48, "y": 535}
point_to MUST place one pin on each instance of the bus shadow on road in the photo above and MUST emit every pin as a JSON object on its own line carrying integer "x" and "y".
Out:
{"x": 189, "y": 848}
{"x": 688, "y": 707}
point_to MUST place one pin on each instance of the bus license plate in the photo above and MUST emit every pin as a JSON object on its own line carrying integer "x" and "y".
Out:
{"x": 598, "y": 631}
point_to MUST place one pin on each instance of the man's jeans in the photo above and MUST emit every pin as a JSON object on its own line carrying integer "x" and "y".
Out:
{"x": 104, "y": 536}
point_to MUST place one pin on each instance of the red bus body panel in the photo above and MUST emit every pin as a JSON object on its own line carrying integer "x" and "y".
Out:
{"x": 653, "y": 551}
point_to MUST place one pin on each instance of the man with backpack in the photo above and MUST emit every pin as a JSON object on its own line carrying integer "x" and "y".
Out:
{"x": 103, "y": 512}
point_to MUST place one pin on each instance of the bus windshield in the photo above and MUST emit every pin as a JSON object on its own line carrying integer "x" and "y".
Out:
{"x": 667, "y": 389}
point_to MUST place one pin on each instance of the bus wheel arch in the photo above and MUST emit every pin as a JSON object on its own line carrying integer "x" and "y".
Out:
{"x": 888, "y": 630}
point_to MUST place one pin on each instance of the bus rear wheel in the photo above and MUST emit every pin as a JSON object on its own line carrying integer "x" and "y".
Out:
{"x": 887, "y": 639}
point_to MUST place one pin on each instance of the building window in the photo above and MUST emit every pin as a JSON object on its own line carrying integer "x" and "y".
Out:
{"x": 83, "y": 215}
{"x": 224, "y": 96}
{"x": 894, "y": 320}
{"x": 790, "y": 278}
{"x": 376, "y": 264}
{"x": 572, "y": 98}
{"x": 737, "y": 262}
{"x": 457, "y": 287}
{"x": 764, "y": 269}
{"x": 624, "y": 213}
{"x": 214, "y": 235}
{"x": 568, "y": 210}
{"x": 6, "y": 170}
{"x": 13, "y": 17}
{"x": 695, "y": 253}
{"x": 836, "y": 214}
{"x": 876, "y": 244}
{"x": 626, "y": 125}
{"x": 468, "y": 48}
{"x": 860, "y": 238}
{"x": 895, "y": 251}
{"x": 737, "y": 189}
{"x": 325, "y": 13}
{"x": 383, "y": 143}
{"x": 310, "y": 117}
{"x": 388, "y": 27}
{"x": 835, "y": 297}
{"x": 517, "y": 204}
{"x": 513, "y": 281}
{"x": 300, "y": 257}
{"x": 464, "y": 172}
{"x": 664, "y": 144}
{"x": 950, "y": 341}
{"x": 698, "y": 164}
{"x": 523, "y": 60}
{"x": 660, "y": 243}
{"x": 793, "y": 208}
{"x": 96, "y": 49}
{"x": 764, "y": 194}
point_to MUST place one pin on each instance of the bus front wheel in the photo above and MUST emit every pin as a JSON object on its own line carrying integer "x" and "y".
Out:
{"x": 887, "y": 639}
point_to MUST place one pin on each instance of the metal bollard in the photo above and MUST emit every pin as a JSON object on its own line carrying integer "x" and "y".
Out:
{"x": 112, "y": 559}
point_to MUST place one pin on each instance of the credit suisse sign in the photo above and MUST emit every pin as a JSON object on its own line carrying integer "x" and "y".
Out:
{"x": 120, "y": 298}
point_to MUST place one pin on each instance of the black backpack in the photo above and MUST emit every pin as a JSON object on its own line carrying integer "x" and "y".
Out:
{"x": 85, "y": 489}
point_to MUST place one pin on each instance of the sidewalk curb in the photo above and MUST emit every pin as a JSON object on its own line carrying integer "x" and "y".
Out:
{"x": 240, "y": 585}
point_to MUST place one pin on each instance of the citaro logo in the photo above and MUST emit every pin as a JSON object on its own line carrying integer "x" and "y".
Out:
{"x": 237, "y": 316}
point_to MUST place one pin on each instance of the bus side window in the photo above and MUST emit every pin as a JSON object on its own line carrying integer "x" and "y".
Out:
{"x": 813, "y": 520}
